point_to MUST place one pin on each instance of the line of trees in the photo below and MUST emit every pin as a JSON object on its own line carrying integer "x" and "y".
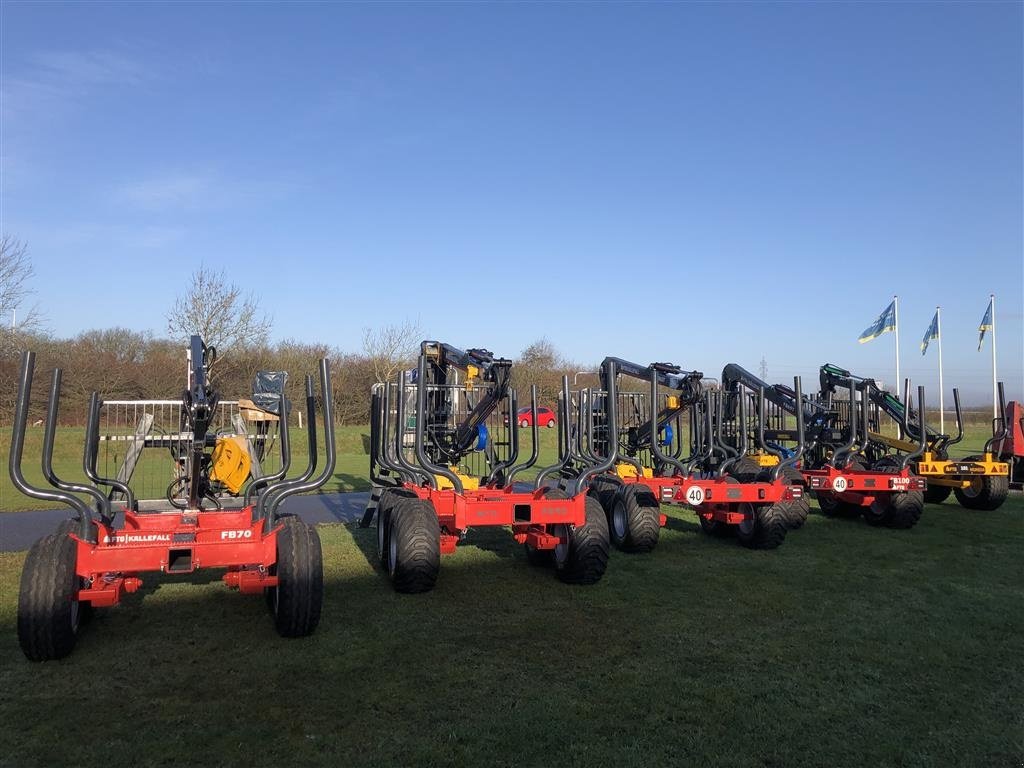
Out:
{"x": 124, "y": 364}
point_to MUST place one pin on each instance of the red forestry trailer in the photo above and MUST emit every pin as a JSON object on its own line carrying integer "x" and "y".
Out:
{"x": 443, "y": 460}
{"x": 651, "y": 462}
{"x": 99, "y": 556}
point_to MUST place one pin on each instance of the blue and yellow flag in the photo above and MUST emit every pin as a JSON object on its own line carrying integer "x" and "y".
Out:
{"x": 986, "y": 324}
{"x": 885, "y": 322}
{"x": 931, "y": 334}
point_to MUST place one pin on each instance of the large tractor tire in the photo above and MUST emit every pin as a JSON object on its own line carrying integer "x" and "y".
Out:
{"x": 389, "y": 499}
{"x": 414, "y": 546}
{"x": 985, "y": 493}
{"x": 796, "y": 510}
{"x": 584, "y": 557}
{"x": 49, "y": 613}
{"x": 936, "y": 494}
{"x": 297, "y": 600}
{"x": 635, "y": 520}
{"x": 745, "y": 470}
{"x": 894, "y": 510}
{"x": 905, "y": 509}
{"x": 604, "y": 488}
{"x": 766, "y": 528}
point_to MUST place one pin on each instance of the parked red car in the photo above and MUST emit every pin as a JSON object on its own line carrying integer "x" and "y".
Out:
{"x": 545, "y": 417}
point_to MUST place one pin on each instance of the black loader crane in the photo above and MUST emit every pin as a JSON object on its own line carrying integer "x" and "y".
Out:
{"x": 980, "y": 482}
{"x": 648, "y": 465}
{"x": 437, "y": 470}
{"x": 835, "y": 461}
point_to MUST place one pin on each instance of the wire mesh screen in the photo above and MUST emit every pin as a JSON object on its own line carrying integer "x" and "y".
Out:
{"x": 145, "y": 442}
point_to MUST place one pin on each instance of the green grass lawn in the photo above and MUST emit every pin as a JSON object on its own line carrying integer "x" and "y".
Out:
{"x": 848, "y": 646}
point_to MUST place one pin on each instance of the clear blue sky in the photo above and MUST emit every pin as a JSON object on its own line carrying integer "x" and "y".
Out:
{"x": 695, "y": 183}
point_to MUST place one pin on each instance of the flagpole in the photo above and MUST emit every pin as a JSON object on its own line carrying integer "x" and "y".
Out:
{"x": 995, "y": 402}
{"x": 938, "y": 333}
{"x": 896, "y": 332}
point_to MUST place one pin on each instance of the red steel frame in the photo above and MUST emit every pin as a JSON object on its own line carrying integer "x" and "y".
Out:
{"x": 861, "y": 487}
{"x": 216, "y": 539}
{"x": 720, "y": 498}
{"x": 494, "y": 506}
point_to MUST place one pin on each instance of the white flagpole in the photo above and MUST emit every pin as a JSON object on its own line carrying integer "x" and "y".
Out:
{"x": 938, "y": 332}
{"x": 896, "y": 331}
{"x": 995, "y": 402}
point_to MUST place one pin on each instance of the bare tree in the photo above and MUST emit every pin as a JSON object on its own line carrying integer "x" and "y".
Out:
{"x": 15, "y": 273}
{"x": 219, "y": 312}
{"x": 392, "y": 348}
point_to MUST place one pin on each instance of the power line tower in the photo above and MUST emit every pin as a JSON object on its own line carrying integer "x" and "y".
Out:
{"x": 764, "y": 368}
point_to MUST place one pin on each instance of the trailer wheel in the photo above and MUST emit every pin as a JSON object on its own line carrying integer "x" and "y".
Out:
{"x": 389, "y": 499}
{"x": 985, "y": 493}
{"x": 49, "y": 613}
{"x": 796, "y": 509}
{"x": 832, "y": 506}
{"x": 414, "y": 546}
{"x": 635, "y": 520}
{"x": 894, "y": 510}
{"x": 745, "y": 470}
{"x": 604, "y": 489}
{"x": 766, "y": 528}
{"x": 296, "y": 601}
{"x": 905, "y": 509}
{"x": 936, "y": 494}
{"x": 587, "y": 555}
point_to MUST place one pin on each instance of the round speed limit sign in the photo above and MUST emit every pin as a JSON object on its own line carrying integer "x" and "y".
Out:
{"x": 695, "y": 496}
{"x": 840, "y": 484}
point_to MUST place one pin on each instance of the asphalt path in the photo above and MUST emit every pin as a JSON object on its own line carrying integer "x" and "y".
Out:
{"x": 19, "y": 530}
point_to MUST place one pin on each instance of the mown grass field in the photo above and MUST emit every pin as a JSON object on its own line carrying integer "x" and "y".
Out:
{"x": 848, "y": 646}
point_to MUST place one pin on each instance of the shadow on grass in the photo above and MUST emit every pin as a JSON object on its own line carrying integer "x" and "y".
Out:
{"x": 346, "y": 483}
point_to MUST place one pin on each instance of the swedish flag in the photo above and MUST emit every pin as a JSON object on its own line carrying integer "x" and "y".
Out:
{"x": 885, "y": 322}
{"x": 986, "y": 325}
{"x": 931, "y": 334}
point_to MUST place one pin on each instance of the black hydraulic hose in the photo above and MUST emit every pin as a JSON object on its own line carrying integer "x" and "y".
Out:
{"x": 535, "y": 449}
{"x": 421, "y": 454}
{"x": 1004, "y": 430}
{"x": 612, "y": 416}
{"x": 840, "y": 456}
{"x": 91, "y": 455}
{"x": 49, "y": 434}
{"x": 22, "y": 402}
{"x": 286, "y": 452}
{"x": 270, "y": 501}
{"x": 922, "y": 440}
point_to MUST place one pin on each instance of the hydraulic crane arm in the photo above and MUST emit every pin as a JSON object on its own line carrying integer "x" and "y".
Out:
{"x": 479, "y": 366}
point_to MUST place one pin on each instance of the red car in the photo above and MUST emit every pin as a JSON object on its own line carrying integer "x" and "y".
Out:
{"x": 545, "y": 417}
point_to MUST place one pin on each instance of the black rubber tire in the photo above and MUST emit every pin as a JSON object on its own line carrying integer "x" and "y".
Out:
{"x": 831, "y": 506}
{"x": 48, "y": 611}
{"x": 296, "y": 601}
{"x": 415, "y": 546}
{"x": 639, "y": 519}
{"x": 898, "y": 510}
{"x": 989, "y": 494}
{"x": 796, "y": 510}
{"x": 588, "y": 548}
{"x": 604, "y": 488}
{"x": 905, "y": 509}
{"x": 389, "y": 499}
{"x": 745, "y": 470}
{"x": 771, "y": 522}
{"x": 936, "y": 494}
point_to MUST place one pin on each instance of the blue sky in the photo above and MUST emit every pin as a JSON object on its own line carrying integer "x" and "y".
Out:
{"x": 684, "y": 182}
